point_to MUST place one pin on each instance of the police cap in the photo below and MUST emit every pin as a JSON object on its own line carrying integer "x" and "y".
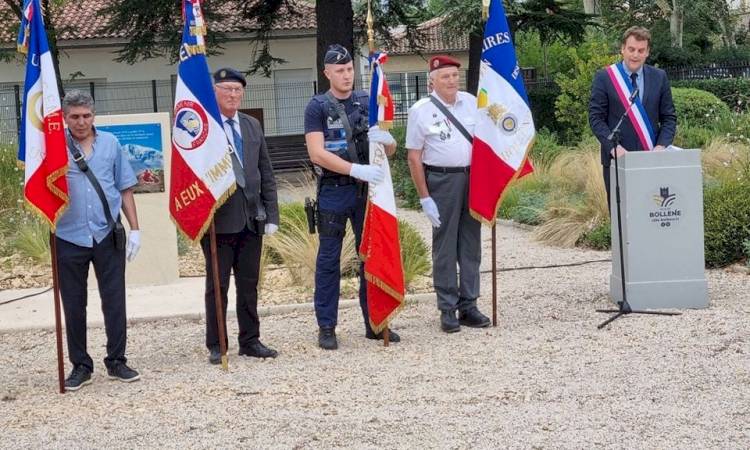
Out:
{"x": 337, "y": 54}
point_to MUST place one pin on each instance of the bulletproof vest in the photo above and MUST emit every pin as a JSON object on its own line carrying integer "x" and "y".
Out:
{"x": 335, "y": 139}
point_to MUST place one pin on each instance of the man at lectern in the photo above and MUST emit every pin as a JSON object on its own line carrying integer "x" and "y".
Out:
{"x": 651, "y": 123}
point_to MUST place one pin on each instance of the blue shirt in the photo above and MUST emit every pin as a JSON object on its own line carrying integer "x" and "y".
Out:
{"x": 638, "y": 81}
{"x": 84, "y": 221}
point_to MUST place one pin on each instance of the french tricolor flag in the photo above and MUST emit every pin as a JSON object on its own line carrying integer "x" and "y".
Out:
{"x": 380, "y": 248}
{"x": 504, "y": 132}
{"x": 42, "y": 149}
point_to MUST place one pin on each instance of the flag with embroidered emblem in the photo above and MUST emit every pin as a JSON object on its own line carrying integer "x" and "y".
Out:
{"x": 380, "y": 248}
{"x": 42, "y": 149}
{"x": 504, "y": 132}
{"x": 202, "y": 177}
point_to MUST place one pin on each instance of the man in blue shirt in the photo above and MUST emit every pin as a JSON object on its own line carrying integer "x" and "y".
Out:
{"x": 85, "y": 235}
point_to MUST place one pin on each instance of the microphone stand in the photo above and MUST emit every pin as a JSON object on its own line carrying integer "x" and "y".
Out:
{"x": 623, "y": 306}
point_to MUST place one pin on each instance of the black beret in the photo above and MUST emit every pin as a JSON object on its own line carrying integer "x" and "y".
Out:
{"x": 229, "y": 74}
{"x": 337, "y": 54}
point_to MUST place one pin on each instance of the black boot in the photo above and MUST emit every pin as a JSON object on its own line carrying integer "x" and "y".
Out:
{"x": 392, "y": 336}
{"x": 473, "y": 318}
{"x": 327, "y": 338}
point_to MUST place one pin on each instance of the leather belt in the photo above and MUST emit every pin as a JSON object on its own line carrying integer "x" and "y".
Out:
{"x": 458, "y": 169}
{"x": 342, "y": 180}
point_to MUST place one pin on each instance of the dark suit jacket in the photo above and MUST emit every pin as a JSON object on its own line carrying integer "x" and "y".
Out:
{"x": 605, "y": 110}
{"x": 239, "y": 211}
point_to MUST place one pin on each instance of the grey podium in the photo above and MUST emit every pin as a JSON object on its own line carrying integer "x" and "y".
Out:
{"x": 661, "y": 196}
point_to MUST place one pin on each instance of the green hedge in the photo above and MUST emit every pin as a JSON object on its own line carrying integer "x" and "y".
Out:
{"x": 698, "y": 108}
{"x": 403, "y": 186}
{"x": 542, "y": 99}
{"x": 735, "y": 92}
{"x": 727, "y": 222}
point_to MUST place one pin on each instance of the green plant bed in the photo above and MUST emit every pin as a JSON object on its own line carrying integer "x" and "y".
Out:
{"x": 727, "y": 222}
{"x": 598, "y": 238}
{"x": 698, "y": 108}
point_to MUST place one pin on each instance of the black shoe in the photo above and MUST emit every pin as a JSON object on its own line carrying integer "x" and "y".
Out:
{"x": 258, "y": 350}
{"x": 448, "y": 322}
{"x": 392, "y": 336}
{"x": 214, "y": 356}
{"x": 473, "y": 318}
{"x": 119, "y": 371}
{"x": 79, "y": 377}
{"x": 327, "y": 338}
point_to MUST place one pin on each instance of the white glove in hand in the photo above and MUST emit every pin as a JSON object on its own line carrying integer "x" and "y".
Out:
{"x": 134, "y": 244}
{"x": 381, "y": 136}
{"x": 271, "y": 228}
{"x": 431, "y": 210}
{"x": 369, "y": 173}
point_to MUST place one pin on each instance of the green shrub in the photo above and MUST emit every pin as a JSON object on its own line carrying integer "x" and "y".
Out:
{"x": 727, "y": 222}
{"x": 415, "y": 255}
{"x": 693, "y": 137}
{"x": 698, "y": 108}
{"x": 403, "y": 186}
{"x": 735, "y": 92}
{"x": 542, "y": 97}
{"x": 746, "y": 248}
{"x": 11, "y": 179}
{"x": 546, "y": 148}
{"x": 598, "y": 238}
{"x": 571, "y": 107}
{"x": 32, "y": 240}
{"x": 529, "y": 207}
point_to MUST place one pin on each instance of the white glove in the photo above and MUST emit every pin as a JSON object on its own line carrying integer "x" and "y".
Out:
{"x": 431, "y": 210}
{"x": 271, "y": 228}
{"x": 381, "y": 136}
{"x": 369, "y": 173}
{"x": 134, "y": 244}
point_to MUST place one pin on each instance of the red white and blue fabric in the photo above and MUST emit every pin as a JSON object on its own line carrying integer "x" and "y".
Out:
{"x": 637, "y": 114}
{"x": 381, "y": 101}
{"x": 202, "y": 177}
{"x": 504, "y": 132}
{"x": 42, "y": 148}
{"x": 380, "y": 248}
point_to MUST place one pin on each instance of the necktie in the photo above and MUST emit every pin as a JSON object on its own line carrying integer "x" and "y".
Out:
{"x": 239, "y": 173}
{"x": 634, "y": 81}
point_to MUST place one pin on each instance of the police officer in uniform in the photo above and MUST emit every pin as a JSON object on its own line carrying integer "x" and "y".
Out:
{"x": 337, "y": 137}
{"x": 439, "y": 159}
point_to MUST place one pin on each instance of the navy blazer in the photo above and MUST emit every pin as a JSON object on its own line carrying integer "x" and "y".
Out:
{"x": 605, "y": 110}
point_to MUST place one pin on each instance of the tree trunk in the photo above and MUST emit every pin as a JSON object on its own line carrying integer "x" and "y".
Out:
{"x": 591, "y": 7}
{"x": 676, "y": 22}
{"x": 475, "y": 56}
{"x": 335, "y": 20}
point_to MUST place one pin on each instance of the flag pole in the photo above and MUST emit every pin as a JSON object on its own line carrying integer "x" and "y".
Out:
{"x": 58, "y": 320}
{"x": 371, "y": 44}
{"x": 494, "y": 274}
{"x": 217, "y": 299}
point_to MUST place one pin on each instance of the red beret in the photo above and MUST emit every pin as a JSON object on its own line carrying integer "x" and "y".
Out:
{"x": 440, "y": 61}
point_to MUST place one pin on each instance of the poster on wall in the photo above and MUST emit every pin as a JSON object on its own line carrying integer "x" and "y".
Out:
{"x": 143, "y": 141}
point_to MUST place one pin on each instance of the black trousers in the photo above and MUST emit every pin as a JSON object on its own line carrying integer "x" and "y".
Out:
{"x": 238, "y": 253}
{"x": 605, "y": 173}
{"x": 109, "y": 267}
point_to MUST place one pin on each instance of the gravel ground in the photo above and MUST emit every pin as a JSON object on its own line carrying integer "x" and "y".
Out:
{"x": 544, "y": 378}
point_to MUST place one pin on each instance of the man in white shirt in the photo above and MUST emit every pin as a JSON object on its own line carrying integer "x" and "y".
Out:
{"x": 439, "y": 159}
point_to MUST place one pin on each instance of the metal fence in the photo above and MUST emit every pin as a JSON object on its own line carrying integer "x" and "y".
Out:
{"x": 734, "y": 69}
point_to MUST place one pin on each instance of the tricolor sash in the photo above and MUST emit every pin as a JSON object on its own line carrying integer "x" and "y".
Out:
{"x": 637, "y": 114}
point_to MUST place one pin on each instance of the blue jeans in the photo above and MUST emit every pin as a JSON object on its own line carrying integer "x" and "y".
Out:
{"x": 337, "y": 205}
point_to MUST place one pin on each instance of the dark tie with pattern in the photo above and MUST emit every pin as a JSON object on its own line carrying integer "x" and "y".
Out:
{"x": 634, "y": 81}
{"x": 239, "y": 173}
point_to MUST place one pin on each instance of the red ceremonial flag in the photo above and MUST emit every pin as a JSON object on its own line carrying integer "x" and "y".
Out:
{"x": 42, "y": 149}
{"x": 380, "y": 248}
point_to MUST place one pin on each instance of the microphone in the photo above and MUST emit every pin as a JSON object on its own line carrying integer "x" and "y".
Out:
{"x": 634, "y": 95}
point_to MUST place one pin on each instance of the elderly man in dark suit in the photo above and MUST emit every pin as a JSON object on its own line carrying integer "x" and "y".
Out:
{"x": 612, "y": 89}
{"x": 251, "y": 211}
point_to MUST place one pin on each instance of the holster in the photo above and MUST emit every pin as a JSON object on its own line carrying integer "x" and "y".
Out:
{"x": 311, "y": 212}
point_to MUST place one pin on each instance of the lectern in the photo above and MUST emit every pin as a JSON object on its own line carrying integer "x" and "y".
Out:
{"x": 661, "y": 197}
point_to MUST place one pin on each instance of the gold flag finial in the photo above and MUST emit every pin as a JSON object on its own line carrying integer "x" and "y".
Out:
{"x": 485, "y": 9}
{"x": 370, "y": 31}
